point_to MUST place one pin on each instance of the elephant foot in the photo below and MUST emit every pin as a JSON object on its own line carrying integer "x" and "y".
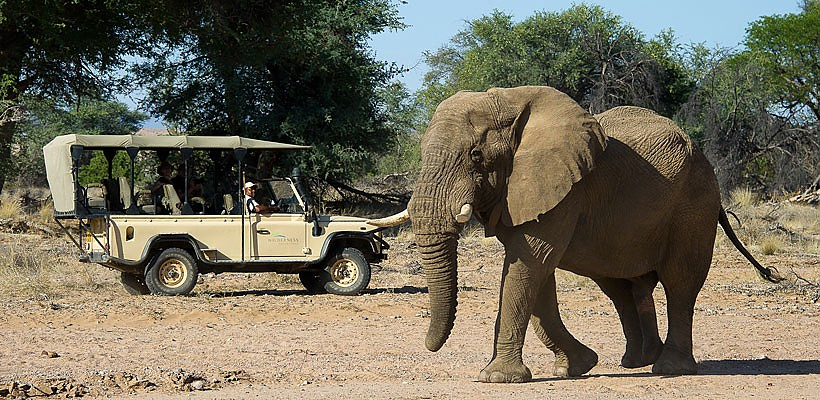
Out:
{"x": 637, "y": 359}
{"x": 505, "y": 372}
{"x": 672, "y": 362}
{"x": 576, "y": 364}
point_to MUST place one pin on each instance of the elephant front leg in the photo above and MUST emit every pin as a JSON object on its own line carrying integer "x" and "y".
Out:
{"x": 514, "y": 309}
{"x": 572, "y": 358}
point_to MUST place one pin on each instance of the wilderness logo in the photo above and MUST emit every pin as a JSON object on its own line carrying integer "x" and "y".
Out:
{"x": 280, "y": 238}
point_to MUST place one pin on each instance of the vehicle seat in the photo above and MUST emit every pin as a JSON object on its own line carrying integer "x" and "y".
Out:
{"x": 145, "y": 202}
{"x": 95, "y": 194}
{"x": 174, "y": 204}
{"x": 125, "y": 193}
{"x": 227, "y": 204}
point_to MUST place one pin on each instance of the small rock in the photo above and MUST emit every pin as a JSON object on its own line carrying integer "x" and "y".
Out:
{"x": 198, "y": 384}
{"x": 40, "y": 388}
{"x": 49, "y": 354}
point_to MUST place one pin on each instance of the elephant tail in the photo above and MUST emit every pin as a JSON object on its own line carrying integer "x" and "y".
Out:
{"x": 769, "y": 274}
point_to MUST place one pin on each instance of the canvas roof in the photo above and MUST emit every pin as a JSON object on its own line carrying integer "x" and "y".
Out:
{"x": 58, "y": 154}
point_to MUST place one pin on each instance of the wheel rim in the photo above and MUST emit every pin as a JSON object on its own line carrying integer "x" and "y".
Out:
{"x": 344, "y": 272}
{"x": 172, "y": 273}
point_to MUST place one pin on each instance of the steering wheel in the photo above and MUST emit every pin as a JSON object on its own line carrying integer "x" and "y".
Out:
{"x": 283, "y": 205}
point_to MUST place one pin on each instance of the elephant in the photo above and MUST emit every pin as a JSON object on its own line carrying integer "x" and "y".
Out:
{"x": 624, "y": 198}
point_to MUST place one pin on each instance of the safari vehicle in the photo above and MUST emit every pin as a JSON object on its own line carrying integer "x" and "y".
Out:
{"x": 163, "y": 254}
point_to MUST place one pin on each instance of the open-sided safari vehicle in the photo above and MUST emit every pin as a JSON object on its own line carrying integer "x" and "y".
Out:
{"x": 161, "y": 244}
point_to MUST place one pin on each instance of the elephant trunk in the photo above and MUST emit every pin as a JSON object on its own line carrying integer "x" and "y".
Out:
{"x": 437, "y": 209}
{"x": 439, "y": 260}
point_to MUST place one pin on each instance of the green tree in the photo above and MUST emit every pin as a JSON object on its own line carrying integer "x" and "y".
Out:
{"x": 296, "y": 71}
{"x": 58, "y": 49}
{"x": 787, "y": 47}
{"x": 755, "y": 111}
{"x": 584, "y": 51}
{"x": 404, "y": 119}
{"x": 737, "y": 117}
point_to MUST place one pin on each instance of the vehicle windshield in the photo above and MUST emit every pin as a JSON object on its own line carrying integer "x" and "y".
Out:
{"x": 279, "y": 192}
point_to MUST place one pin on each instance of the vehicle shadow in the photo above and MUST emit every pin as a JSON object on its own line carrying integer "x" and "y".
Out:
{"x": 762, "y": 366}
{"x": 274, "y": 292}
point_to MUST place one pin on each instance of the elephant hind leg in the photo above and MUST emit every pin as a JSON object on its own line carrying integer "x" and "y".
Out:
{"x": 642, "y": 288}
{"x": 572, "y": 358}
{"x": 682, "y": 278}
{"x": 636, "y": 310}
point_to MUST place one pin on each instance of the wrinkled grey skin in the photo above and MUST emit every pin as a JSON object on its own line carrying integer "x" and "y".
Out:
{"x": 625, "y": 200}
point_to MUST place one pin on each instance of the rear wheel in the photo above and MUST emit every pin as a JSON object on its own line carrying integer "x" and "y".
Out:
{"x": 173, "y": 272}
{"x": 347, "y": 272}
{"x": 134, "y": 284}
{"x": 313, "y": 281}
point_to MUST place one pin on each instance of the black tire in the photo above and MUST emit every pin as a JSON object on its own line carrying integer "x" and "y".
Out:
{"x": 347, "y": 272}
{"x": 314, "y": 281}
{"x": 172, "y": 273}
{"x": 134, "y": 284}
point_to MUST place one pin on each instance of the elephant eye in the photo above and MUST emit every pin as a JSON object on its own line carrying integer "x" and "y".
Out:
{"x": 476, "y": 156}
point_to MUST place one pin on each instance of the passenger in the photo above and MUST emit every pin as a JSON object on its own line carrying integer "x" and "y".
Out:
{"x": 195, "y": 185}
{"x": 179, "y": 180}
{"x": 253, "y": 206}
{"x": 164, "y": 170}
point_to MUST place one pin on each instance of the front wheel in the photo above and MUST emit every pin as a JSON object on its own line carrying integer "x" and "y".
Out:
{"x": 348, "y": 272}
{"x": 173, "y": 272}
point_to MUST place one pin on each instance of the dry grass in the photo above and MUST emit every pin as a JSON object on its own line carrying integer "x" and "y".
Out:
{"x": 46, "y": 212}
{"x": 742, "y": 197}
{"x": 10, "y": 207}
{"x": 776, "y": 228}
{"x": 569, "y": 281}
{"x": 35, "y": 267}
{"x": 771, "y": 245}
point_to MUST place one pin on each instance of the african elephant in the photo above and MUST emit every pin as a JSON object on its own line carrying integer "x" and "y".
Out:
{"x": 623, "y": 197}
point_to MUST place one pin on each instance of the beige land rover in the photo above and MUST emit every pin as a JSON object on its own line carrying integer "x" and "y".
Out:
{"x": 161, "y": 245}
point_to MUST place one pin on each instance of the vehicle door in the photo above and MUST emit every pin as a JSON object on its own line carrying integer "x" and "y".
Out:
{"x": 283, "y": 233}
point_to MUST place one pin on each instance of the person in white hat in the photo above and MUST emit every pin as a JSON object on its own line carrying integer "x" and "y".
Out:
{"x": 253, "y": 206}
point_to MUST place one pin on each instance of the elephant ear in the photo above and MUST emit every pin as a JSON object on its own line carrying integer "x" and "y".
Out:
{"x": 556, "y": 144}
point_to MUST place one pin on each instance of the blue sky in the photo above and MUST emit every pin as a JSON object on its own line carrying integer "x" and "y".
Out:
{"x": 433, "y": 22}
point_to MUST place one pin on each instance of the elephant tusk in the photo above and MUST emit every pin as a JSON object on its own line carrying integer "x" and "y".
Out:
{"x": 393, "y": 220}
{"x": 465, "y": 214}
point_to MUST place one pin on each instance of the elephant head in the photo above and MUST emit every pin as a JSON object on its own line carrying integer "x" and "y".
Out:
{"x": 505, "y": 156}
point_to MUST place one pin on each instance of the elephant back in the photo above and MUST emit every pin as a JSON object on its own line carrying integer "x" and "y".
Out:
{"x": 655, "y": 138}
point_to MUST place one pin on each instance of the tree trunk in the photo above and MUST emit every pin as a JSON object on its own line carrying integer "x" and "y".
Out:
{"x": 6, "y": 131}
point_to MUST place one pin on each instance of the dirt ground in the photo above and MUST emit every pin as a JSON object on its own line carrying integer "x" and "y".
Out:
{"x": 262, "y": 336}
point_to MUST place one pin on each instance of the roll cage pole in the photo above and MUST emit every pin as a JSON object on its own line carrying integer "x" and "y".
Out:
{"x": 239, "y": 153}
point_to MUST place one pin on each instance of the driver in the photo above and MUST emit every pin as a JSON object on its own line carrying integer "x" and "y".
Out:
{"x": 253, "y": 206}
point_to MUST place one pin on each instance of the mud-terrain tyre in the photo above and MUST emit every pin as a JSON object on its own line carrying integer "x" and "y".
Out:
{"x": 172, "y": 273}
{"x": 314, "y": 281}
{"x": 134, "y": 284}
{"x": 347, "y": 272}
